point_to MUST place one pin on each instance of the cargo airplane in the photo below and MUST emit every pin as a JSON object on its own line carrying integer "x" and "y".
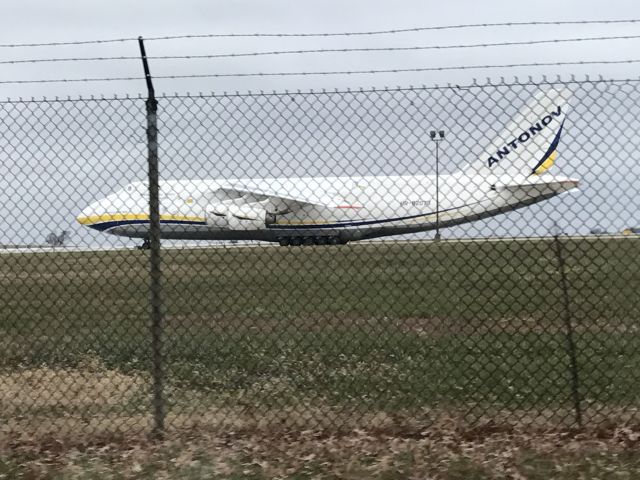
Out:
{"x": 512, "y": 173}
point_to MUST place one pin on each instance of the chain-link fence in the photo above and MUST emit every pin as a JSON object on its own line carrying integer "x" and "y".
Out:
{"x": 487, "y": 271}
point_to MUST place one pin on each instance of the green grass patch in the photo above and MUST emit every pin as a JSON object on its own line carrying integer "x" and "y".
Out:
{"x": 390, "y": 327}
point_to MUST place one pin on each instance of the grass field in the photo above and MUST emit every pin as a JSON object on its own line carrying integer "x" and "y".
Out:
{"x": 388, "y": 338}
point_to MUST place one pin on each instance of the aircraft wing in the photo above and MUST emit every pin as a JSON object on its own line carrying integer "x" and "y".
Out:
{"x": 290, "y": 194}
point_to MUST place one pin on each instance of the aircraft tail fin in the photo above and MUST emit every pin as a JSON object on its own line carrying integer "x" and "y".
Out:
{"x": 528, "y": 145}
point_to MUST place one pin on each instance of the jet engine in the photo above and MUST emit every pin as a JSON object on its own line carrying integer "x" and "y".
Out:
{"x": 245, "y": 216}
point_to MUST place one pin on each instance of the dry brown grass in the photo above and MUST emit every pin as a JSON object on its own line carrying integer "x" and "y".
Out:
{"x": 90, "y": 385}
{"x": 99, "y": 429}
{"x": 444, "y": 450}
{"x": 63, "y": 403}
{"x": 89, "y": 402}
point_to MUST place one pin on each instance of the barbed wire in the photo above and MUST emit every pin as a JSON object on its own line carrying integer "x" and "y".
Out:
{"x": 324, "y": 50}
{"x": 324, "y": 73}
{"x": 474, "y": 83}
{"x": 325, "y": 34}
{"x": 397, "y": 30}
{"x": 74, "y": 42}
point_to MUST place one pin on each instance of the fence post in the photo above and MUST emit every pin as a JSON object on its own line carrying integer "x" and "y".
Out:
{"x": 155, "y": 272}
{"x": 571, "y": 346}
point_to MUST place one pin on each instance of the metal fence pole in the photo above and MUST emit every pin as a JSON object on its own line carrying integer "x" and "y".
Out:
{"x": 155, "y": 259}
{"x": 571, "y": 346}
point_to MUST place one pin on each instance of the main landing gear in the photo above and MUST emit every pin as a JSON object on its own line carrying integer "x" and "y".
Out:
{"x": 298, "y": 241}
{"x": 146, "y": 245}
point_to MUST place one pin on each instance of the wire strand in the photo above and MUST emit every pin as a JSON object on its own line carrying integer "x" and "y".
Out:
{"x": 398, "y": 30}
{"x": 323, "y": 50}
{"x": 325, "y": 73}
{"x": 75, "y": 42}
{"x": 325, "y": 34}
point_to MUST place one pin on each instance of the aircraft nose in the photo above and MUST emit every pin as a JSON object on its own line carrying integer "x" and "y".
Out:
{"x": 101, "y": 214}
{"x": 91, "y": 214}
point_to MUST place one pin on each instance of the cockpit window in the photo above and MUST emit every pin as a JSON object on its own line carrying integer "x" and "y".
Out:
{"x": 136, "y": 187}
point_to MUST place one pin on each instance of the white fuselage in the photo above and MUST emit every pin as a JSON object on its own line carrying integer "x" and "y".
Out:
{"x": 512, "y": 172}
{"x": 363, "y": 207}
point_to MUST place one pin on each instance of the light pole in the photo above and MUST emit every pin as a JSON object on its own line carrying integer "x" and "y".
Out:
{"x": 437, "y": 138}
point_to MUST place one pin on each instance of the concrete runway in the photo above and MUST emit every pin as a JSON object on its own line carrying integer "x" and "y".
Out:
{"x": 14, "y": 249}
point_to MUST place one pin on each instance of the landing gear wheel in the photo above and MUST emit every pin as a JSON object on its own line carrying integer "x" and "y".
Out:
{"x": 307, "y": 241}
{"x": 146, "y": 245}
{"x": 295, "y": 241}
{"x": 283, "y": 241}
{"x": 320, "y": 240}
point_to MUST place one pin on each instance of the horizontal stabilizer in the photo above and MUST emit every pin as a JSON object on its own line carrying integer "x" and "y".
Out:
{"x": 536, "y": 183}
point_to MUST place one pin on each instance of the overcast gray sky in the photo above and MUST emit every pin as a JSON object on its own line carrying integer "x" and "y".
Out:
{"x": 69, "y": 20}
{"x": 56, "y": 164}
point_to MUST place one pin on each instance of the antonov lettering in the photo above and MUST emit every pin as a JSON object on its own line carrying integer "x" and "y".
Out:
{"x": 523, "y": 137}
{"x": 503, "y": 152}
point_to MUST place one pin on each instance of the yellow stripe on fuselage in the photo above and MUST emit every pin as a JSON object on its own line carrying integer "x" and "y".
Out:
{"x": 119, "y": 217}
